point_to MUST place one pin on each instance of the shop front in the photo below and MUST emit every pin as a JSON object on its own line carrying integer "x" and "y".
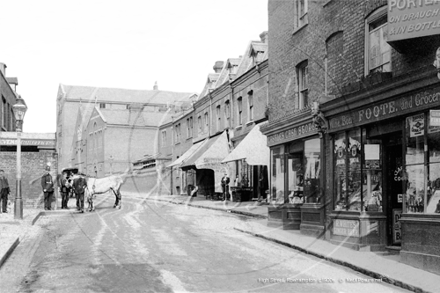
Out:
{"x": 385, "y": 161}
{"x": 205, "y": 164}
{"x": 295, "y": 177}
{"x": 250, "y": 160}
{"x": 185, "y": 177}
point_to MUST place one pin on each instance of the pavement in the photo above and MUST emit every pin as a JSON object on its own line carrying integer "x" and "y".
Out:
{"x": 388, "y": 268}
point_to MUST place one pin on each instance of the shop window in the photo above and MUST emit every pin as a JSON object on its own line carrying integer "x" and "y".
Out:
{"x": 347, "y": 165}
{"x": 277, "y": 192}
{"x": 312, "y": 165}
{"x": 303, "y": 87}
{"x": 295, "y": 178}
{"x": 423, "y": 185}
{"x": 377, "y": 51}
{"x": 372, "y": 175}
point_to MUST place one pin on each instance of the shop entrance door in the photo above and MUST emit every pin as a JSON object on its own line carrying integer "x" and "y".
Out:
{"x": 393, "y": 185}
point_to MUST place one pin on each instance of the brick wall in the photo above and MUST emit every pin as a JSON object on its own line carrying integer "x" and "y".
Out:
{"x": 32, "y": 168}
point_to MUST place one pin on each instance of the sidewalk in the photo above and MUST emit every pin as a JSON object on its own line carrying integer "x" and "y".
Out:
{"x": 12, "y": 231}
{"x": 377, "y": 266}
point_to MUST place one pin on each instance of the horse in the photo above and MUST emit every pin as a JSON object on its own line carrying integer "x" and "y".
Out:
{"x": 101, "y": 185}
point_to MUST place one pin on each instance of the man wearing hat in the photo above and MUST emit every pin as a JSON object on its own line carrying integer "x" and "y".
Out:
{"x": 47, "y": 185}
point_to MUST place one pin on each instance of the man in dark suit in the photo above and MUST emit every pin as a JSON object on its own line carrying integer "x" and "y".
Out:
{"x": 225, "y": 186}
{"x": 48, "y": 189}
{"x": 63, "y": 188}
{"x": 4, "y": 192}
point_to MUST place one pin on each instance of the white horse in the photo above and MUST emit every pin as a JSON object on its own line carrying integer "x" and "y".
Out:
{"x": 102, "y": 185}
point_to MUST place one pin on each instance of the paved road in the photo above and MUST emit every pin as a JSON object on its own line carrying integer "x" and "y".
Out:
{"x": 154, "y": 247}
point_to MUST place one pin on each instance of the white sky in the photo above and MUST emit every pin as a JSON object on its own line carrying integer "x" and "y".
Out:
{"x": 121, "y": 44}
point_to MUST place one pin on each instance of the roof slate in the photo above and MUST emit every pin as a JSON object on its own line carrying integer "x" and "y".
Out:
{"x": 133, "y": 118}
{"x": 123, "y": 95}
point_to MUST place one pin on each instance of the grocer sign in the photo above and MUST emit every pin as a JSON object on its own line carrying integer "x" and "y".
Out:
{"x": 420, "y": 100}
{"x": 409, "y": 19}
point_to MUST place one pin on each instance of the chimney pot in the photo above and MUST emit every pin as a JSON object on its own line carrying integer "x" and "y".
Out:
{"x": 155, "y": 87}
{"x": 3, "y": 69}
{"x": 263, "y": 37}
{"x": 218, "y": 66}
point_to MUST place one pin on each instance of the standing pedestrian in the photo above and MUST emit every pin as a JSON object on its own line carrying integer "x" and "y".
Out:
{"x": 64, "y": 190}
{"x": 4, "y": 192}
{"x": 47, "y": 185}
{"x": 225, "y": 186}
{"x": 261, "y": 186}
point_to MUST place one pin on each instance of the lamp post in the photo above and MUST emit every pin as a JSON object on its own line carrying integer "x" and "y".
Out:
{"x": 19, "y": 109}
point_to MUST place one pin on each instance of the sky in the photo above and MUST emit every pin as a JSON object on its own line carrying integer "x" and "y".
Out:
{"x": 127, "y": 44}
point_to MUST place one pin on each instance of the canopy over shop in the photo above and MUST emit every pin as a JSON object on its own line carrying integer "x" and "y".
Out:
{"x": 252, "y": 158}
{"x": 207, "y": 162}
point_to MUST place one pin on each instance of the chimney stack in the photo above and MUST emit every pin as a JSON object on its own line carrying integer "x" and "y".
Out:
{"x": 3, "y": 69}
{"x": 218, "y": 66}
{"x": 155, "y": 87}
{"x": 263, "y": 37}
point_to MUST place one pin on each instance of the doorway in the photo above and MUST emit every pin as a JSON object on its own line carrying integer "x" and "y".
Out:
{"x": 393, "y": 186}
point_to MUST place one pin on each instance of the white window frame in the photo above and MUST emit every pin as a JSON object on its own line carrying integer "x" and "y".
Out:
{"x": 251, "y": 106}
{"x": 301, "y": 11}
{"x": 240, "y": 110}
{"x": 228, "y": 113}
{"x": 303, "y": 87}
{"x": 375, "y": 17}
{"x": 164, "y": 137}
{"x": 206, "y": 125}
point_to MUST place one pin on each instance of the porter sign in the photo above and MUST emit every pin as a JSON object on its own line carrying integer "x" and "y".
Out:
{"x": 409, "y": 19}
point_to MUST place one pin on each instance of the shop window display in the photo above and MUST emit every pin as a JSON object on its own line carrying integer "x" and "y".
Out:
{"x": 312, "y": 163}
{"x": 295, "y": 179}
{"x": 372, "y": 175}
{"x": 423, "y": 171}
{"x": 340, "y": 171}
{"x": 277, "y": 192}
{"x": 423, "y": 192}
{"x": 358, "y": 179}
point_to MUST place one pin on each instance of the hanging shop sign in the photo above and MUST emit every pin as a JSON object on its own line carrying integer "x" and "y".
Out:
{"x": 409, "y": 19}
{"x": 292, "y": 134}
{"x": 398, "y": 106}
{"x": 346, "y": 227}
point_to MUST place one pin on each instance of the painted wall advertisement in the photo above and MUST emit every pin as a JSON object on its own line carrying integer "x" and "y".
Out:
{"x": 409, "y": 19}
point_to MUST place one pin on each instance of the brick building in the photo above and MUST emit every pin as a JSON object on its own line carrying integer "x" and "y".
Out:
{"x": 232, "y": 102}
{"x": 353, "y": 93}
{"x": 8, "y": 98}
